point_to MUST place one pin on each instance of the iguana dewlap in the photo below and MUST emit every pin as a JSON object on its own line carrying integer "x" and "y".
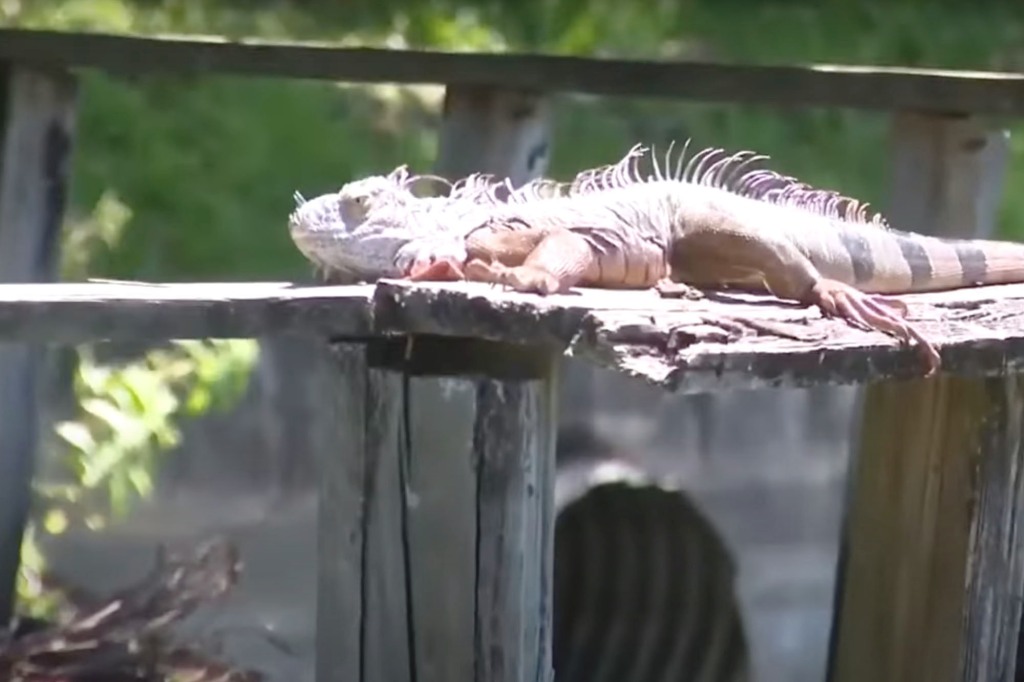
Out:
{"x": 711, "y": 223}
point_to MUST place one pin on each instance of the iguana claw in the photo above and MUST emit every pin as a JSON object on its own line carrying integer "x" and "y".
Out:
{"x": 872, "y": 312}
{"x": 441, "y": 270}
{"x": 520, "y": 278}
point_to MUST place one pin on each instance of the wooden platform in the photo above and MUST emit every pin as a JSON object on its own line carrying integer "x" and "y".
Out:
{"x": 726, "y": 340}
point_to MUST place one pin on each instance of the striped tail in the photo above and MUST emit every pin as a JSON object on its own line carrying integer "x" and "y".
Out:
{"x": 891, "y": 262}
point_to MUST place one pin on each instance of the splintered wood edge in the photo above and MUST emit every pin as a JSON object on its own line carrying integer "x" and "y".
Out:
{"x": 717, "y": 342}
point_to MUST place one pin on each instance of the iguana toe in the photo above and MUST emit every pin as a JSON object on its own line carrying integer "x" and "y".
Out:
{"x": 872, "y": 312}
{"x": 441, "y": 270}
{"x": 520, "y": 278}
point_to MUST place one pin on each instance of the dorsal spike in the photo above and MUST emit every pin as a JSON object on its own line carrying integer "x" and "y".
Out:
{"x": 693, "y": 168}
{"x": 664, "y": 173}
{"x": 677, "y": 174}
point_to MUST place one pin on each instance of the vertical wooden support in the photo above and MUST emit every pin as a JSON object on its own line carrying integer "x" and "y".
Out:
{"x": 947, "y": 175}
{"x": 487, "y": 129}
{"x": 935, "y": 576}
{"x": 38, "y": 114}
{"x": 437, "y": 525}
{"x": 507, "y": 133}
{"x": 423, "y": 535}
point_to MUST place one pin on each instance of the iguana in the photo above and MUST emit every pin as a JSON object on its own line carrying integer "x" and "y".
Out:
{"x": 711, "y": 220}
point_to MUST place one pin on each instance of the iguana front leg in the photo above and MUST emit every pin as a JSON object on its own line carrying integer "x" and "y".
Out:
{"x": 549, "y": 261}
{"x": 537, "y": 261}
{"x": 484, "y": 255}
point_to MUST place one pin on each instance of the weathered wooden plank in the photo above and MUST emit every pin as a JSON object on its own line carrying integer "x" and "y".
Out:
{"x": 720, "y": 342}
{"x": 436, "y": 527}
{"x": 946, "y": 179}
{"x": 37, "y": 117}
{"x": 877, "y": 88}
{"x": 387, "y": 603}
{"x": 934, "y": 581}
{"x": 443, "y": 526}
{"x": 341, "y": 517}
{"x": 515, "y": 446}
{"x": 77, "y": 313}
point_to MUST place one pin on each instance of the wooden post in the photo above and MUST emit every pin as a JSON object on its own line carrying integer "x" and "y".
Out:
{"x": 437, "y": 529}
{"x": 430, "y": 586}
{"x": 934, "y": 577}
{"x": 947, "y": 177}
{"x": 490, "y": 130}
{"x": 37, "y": 112}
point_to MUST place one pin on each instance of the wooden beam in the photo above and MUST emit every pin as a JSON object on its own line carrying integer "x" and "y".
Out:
{"x": 936, "y": 566}
{"x": 37, "y": 117}
{"x": 720, "y": 342}
{"x": 873, "y": 88}
{"x": 78, "y": 313}
{"x": 436, "y": 538}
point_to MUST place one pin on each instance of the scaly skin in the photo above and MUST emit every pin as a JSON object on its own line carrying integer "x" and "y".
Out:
{"x": 713, "y": 223}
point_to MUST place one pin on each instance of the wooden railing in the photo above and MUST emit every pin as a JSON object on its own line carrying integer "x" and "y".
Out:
{"x": 931, "y": 583}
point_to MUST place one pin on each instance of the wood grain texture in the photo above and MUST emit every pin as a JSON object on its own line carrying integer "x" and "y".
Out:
{"x": 342, "y": 538}
{"x": 443, "y": 527}
{"x": 934, "y": 580}
{"x": 861, "y": 87}
{"x": 724, "y": 341}
{"x": 37, "y": 120}
{"x": 514, "y": 442}
{"x": 437, "y": 528}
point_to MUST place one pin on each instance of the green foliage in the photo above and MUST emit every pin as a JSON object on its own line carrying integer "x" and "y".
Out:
{"x": 208, "y": 165}
{"x": 128, "y": 416}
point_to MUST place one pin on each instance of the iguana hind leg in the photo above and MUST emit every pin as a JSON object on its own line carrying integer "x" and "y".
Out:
{"x": 721, "y": 252}
{"x": 490, "y": 256}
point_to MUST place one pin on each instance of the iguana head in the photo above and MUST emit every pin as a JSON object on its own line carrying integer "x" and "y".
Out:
{"x": 358, "y": 233}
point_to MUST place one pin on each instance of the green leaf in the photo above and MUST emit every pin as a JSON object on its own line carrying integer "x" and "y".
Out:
{"x": 76, "y": 434}
{"x": 55, "y": 521}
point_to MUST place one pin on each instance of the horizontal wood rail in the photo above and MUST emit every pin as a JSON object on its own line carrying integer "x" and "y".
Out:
{"x": 858, "y": 87}
{"x": 721, "y": 342}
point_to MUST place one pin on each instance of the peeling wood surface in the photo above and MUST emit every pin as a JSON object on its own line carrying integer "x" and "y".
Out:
{"x": 721, "y": 341}
{"x": 862, "y": 87}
